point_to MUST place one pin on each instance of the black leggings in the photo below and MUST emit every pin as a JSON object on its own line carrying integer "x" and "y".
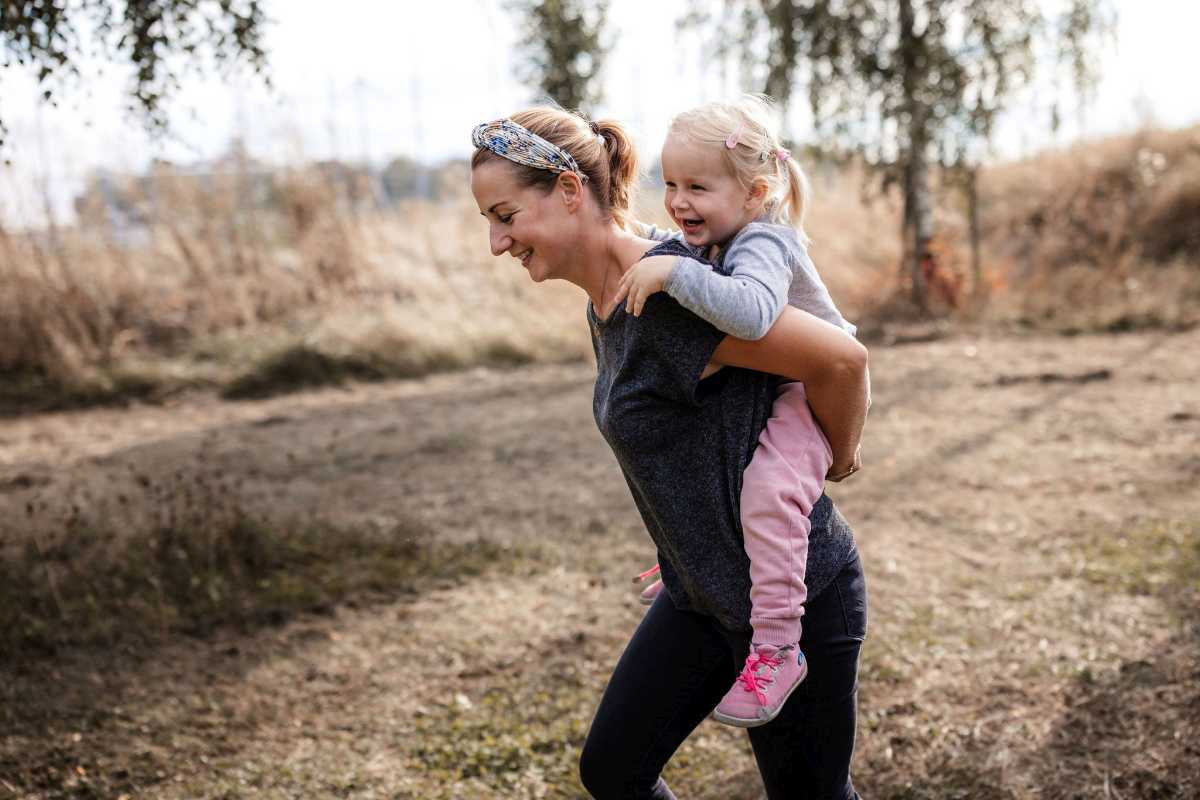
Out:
{"x": 678, "y": 666}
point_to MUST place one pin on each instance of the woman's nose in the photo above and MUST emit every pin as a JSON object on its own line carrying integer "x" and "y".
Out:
{"x": 500, "y": 242}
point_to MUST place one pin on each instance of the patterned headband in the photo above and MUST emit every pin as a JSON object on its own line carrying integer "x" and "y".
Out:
{"x": 522, "y": 146}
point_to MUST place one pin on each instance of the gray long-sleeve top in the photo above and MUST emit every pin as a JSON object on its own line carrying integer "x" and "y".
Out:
{"x": 770, "y": 268}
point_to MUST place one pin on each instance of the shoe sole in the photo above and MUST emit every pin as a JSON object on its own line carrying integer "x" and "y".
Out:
{"x": 742, "y": 722}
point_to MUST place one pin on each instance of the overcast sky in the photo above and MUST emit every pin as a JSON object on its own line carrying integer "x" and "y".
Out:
{"x": 380, "y": 79}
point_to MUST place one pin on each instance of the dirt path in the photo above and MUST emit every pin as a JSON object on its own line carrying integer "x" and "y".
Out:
{"x": 1029, "y": 519}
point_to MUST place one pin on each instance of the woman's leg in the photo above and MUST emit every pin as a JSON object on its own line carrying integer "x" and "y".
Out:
{"x": 805, "y": 752}
{"x": 672, "y": 673}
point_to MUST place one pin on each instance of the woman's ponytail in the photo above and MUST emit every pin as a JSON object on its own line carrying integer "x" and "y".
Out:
{"x": 602, "y": 150}
{"x": 622, "y": 169}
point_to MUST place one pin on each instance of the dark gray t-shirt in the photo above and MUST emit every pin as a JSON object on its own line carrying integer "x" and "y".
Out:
{"x": 682, "y": 444}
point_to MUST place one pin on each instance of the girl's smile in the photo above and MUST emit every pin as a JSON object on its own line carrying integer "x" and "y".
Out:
{"x": 705, "y": 200}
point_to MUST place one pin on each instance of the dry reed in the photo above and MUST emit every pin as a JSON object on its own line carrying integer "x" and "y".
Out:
{"x": 260, "y": 282}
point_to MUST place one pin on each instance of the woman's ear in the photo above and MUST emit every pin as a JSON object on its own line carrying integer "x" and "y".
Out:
{"x": 570, "y": 188}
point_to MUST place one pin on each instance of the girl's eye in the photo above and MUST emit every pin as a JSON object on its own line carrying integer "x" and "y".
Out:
{"x": 504, "y": 218}
{"x": 670, "y": 185}
{"x": 697, "y": 187}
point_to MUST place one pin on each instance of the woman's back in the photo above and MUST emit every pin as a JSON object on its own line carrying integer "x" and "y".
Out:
{"x": 683, "y": 443}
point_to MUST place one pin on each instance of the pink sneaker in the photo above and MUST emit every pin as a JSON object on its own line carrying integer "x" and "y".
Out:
{"x": 770, "y": 676}
{"x": 650, "y": 592}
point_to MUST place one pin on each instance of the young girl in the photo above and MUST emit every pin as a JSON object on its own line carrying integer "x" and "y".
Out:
{"x": 733, "y": 190}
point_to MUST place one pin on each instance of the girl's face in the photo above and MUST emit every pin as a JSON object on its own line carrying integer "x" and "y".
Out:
{"x": 527, "y": 222}
{"x": 703, "y": 197}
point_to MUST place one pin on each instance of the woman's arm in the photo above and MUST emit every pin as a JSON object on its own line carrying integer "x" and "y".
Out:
{"x": 830, "y": 363}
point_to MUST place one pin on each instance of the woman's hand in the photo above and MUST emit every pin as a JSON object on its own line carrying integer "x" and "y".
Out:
{"x": 839, "y": 472}
{"x": 830, "y": 363}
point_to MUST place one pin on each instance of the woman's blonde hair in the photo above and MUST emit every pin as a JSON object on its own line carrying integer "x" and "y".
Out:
{"x": 749, "y": 124}
{"x": 603, "y": 150}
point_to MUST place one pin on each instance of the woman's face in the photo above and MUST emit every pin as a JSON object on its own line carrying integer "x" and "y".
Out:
{"x": 527, "y": 222}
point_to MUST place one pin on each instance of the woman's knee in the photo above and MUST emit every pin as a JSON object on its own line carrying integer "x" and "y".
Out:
{"x": 610, "y": 774}
{"x": 598, "y": 770}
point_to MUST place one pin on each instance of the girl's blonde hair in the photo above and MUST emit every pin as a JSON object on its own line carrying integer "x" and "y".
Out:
{"x": 603, "y": 149}
{"x": 757, "y": 154}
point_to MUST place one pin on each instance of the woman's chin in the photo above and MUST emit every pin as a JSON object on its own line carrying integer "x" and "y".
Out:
{"x": 536, "y": 273}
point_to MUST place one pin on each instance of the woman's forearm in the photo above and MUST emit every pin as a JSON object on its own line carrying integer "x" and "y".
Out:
{"x": 830, "y": 363}
{"x": 840, "y": 406}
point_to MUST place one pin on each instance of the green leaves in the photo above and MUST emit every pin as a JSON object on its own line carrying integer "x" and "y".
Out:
{"x": 151, "y": 35}
{"x": 564, "y": 48}
{"x": 868, "y": 66}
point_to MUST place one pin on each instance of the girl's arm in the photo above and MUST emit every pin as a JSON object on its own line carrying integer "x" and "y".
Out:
{"x": 744, "y": 303}
{"x": 830, "y": 363}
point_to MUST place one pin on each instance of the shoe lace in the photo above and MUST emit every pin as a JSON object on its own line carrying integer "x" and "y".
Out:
{"x": 643, "y": 575}
{"x": 750, "y": 678}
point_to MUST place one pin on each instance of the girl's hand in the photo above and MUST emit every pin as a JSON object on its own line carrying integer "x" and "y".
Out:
{"x": 642, "y": 280}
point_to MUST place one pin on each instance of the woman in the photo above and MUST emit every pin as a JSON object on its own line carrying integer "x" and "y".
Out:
{"x": 682, "y": 405}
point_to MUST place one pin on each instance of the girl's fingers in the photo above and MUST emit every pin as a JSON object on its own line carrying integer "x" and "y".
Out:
{"x": 622, "y": 290}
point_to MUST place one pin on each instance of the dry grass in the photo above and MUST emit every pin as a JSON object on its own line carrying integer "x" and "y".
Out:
{"x": 264, "y": 283}
{"x": 1029, "y": 533}
{"x": 1101, "y": 236}
{"x": 262, "y": 297}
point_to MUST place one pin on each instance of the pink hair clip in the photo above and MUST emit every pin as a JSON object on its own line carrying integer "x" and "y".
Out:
{"x": 783, "y": 154}
{"x": 732, "y": 141}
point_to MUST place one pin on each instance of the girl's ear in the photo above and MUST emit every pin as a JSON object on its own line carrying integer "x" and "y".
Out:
{"x": 570, "y": 188}
{"x": 757, "y": 193}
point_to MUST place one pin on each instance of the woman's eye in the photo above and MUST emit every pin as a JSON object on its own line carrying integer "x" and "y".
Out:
{"x": 504, "y": 218}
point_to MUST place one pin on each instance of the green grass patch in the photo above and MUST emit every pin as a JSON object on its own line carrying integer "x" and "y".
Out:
{"x": 26, "y": 392}
{"x": 1154, "y": 557}
{"x": 519, "y": 740}
{"x": 304, "y": 366}
{"x": 203, "y": 562}
{"x": 300, "y": 366}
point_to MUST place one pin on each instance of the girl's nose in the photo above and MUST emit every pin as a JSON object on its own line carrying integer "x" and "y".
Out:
{"x": 500, "y": 242}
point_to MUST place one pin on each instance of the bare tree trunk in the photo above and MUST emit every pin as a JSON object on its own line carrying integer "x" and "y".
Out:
{"x": 918, "y": 207}
{"x": 978, "y": 290}
{"x": 920, "y": 218}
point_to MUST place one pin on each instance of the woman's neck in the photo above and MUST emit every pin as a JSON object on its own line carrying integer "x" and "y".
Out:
{"x": 604, "y": 258}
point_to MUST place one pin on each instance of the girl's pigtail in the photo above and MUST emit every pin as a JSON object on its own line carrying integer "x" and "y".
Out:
{"x": 796, "y": 196}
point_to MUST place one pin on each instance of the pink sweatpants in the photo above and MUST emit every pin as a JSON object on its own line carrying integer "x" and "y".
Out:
{"x": 784, "y": 480}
